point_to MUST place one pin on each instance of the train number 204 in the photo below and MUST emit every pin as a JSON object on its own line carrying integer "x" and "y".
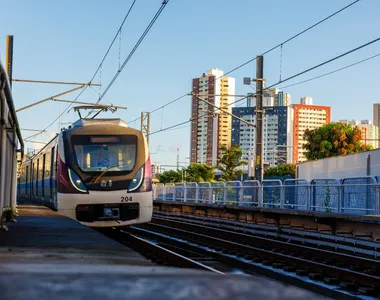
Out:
{"x": 126, "y": 199}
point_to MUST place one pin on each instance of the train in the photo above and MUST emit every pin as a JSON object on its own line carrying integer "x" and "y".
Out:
{"x": 97, "y": 171}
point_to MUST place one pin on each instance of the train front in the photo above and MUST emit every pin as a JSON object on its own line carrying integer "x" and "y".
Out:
{"x": 104, "y": 174}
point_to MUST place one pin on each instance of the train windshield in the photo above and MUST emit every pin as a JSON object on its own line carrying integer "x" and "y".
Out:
{"x": 100, "y": 153}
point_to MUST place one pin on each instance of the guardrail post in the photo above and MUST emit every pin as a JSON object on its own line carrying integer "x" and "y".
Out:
{"x": 340, "y": 198}
{"x": 196, "y": 192}
{"x": 282, "y": 196}
{"x": 224, "y": 193}
{"x": 260, "y": 195}
{"x": 377, "y": 196}
{"x": 308, "y": 199}
{"x": 184, "y": 191}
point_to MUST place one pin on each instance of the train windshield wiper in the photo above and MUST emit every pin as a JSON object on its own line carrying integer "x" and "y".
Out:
{"x": 108, "y": 169}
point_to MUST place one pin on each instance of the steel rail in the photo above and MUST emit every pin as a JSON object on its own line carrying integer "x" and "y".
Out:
{"x": 156, "y": 251}
{"x": 347, "y": 245}
{"x": 236, "y": 245}
{"x": 251, "y": 266}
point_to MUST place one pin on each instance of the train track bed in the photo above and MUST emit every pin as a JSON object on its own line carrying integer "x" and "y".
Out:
{"x": 330, "y": 273}
{"x": 165, "y": 254}
{"x": 353, "y": 246}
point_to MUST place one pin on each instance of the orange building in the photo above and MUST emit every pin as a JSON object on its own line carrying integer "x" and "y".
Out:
{"x": 307, "y": 117}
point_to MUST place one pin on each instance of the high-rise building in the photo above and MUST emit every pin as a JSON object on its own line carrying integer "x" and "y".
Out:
{"x": 307, "y": 100}
{"x": 307, "y": 117}
{"x": 376, "y": 115}
{"x": 349, "y": 122}
{"x": 210, "y": 129}
{"x": 283, "y": 99}
{"x": 277, "y": 136}
{"x": 370, "y": 132}
{"x": 271, "y": 97}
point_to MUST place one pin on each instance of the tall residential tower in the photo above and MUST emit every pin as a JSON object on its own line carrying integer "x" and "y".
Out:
{"x": 209, "y": 128}
{"x": 307, "y": 116}
{"x": 376, "y": 116}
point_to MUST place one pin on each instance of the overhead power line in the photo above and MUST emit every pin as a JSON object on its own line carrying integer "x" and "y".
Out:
{"x": 331, "y": 72}
{"x": 97, "y": 70}
{"x": 158, "y": 13}
{"x": 195, "y": 118}
{"x": 321, "y": 64}
{"x": 114, "y": 39}
{"x": 266, "y": 52}
{"x": 289, "y": 78}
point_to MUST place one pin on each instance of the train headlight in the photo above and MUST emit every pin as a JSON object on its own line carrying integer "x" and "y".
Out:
{"x": 137, "y": 180}
{"x": 76, "y": 181}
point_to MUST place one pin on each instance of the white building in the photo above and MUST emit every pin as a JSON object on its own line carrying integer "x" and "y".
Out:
{"x": 271, "y": 97}
{"x": 370, "y": 132}
{"x": 307, "y": 100}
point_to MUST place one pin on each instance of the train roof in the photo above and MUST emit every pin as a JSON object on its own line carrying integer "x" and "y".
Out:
{"x": 104, "y": 122}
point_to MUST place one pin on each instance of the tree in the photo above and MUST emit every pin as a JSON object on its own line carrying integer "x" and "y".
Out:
{"x": 333, "y": 139}
{"x": 193, "y": 173}
{"x": 281, "y": 170}
{"x": 230, "y": 161}
{"x": 170, "y": 176}
{"x": 199, "y": 173}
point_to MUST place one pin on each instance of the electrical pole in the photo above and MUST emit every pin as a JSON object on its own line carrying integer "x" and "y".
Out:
{"x": 178, "y": 159}
{"x": 145, "y": 125}
{"x": 9, "y": 57}
{"x": 259, "y": 117}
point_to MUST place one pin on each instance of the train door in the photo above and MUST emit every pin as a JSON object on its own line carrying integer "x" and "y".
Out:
{"x": 43, "y": 176}
{"x": 53, "y": 179}
{"x": 27, "y": 179}
{"x": 37, "y": 177}
{"x": 34, "y": 180}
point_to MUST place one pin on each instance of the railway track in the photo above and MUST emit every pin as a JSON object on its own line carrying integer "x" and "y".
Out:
{"x": 157, "y": 253}
{"x": 331, "y": 273}
{"x": 355, "y": 246}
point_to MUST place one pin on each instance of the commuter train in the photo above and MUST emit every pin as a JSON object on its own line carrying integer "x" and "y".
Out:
{"x": 98, "y": 172}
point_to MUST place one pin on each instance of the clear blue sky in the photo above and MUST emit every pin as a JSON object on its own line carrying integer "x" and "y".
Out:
{"x": 65, "y": 40}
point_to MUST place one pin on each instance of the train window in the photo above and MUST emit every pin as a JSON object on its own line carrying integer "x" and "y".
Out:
{"x": 47, "y": 164}
{"x": 95, "y": 153}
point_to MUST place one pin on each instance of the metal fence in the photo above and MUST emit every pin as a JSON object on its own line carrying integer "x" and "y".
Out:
{"x": 359, "y": 195}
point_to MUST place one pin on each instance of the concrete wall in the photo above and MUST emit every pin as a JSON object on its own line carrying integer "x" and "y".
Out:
{"x": 354, "y": 165}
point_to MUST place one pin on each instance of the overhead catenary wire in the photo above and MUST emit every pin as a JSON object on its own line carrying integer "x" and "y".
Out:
{"x": 322, "y": 64}
{"x": 266, "y": 52}
{"x": 289, "y": 78}
{"x": 99, "y": 67}
{"x": 195, "y": 118}
{"x": 331, "y": 72}
{"x": 150, "y": 25}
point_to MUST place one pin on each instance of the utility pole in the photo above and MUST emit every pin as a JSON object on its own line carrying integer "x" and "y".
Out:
{"x": 9, "y": 57}
{"x": 178, "y": 159}
{"x": 259, "y": 117}
{"x": 145, "y": 124}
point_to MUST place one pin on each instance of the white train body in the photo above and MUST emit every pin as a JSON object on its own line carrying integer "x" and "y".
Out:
{"x": 97, "y": 172}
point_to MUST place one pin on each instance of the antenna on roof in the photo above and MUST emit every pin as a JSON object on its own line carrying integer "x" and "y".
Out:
{"x": 99, "y": 107}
